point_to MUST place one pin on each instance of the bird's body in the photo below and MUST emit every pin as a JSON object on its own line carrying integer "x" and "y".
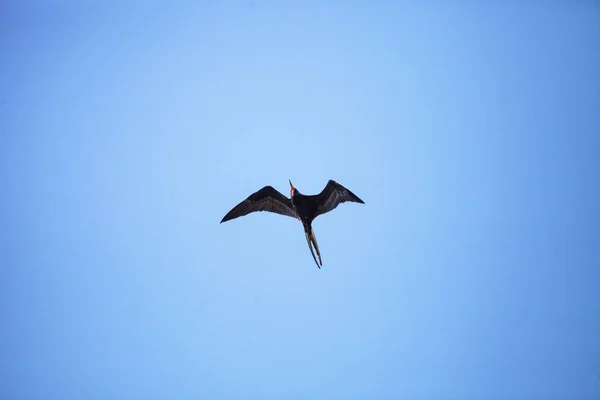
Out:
{"x": 304, "y": 207}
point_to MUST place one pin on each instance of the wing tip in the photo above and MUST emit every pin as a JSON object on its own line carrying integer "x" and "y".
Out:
{"x": 357, "y": 199}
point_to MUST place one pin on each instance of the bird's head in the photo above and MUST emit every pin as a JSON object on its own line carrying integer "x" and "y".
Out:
{"x": 292, "y": 190}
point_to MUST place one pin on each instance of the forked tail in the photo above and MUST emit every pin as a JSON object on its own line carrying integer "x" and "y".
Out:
{"x": 312, "y": 240}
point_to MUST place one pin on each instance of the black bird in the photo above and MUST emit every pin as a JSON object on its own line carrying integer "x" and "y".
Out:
{"x": 305, "y": 208}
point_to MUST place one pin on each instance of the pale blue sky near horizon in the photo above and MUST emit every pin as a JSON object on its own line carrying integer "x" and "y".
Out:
{"x": 470, "y": 130}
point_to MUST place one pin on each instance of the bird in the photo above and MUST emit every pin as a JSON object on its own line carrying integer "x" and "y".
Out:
{"x": 302, "y": 207}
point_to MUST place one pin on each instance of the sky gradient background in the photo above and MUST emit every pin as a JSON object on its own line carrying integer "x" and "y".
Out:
{"x": 128, "y": 130}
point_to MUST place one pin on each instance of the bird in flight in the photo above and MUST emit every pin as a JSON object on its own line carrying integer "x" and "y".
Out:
{"x": 304, "y": 207}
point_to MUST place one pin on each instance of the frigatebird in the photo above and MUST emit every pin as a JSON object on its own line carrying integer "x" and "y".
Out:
{"x": 304, "y": 207}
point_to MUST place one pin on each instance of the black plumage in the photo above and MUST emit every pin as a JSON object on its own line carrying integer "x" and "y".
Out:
{"x": 304, "y": 207}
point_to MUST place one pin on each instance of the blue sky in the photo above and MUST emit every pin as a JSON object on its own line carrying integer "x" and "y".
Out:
{"x": 129, "y": 129}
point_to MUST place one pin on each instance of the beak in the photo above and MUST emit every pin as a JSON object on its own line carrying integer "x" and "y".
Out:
{"x": 291, "y": 186}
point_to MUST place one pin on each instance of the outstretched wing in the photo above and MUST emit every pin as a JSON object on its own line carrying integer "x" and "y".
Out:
{"x": 333, "y": 195}
{"x": 266, "y": 199}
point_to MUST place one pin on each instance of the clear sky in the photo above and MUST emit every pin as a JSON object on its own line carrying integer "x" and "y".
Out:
{"x": 128, "y": 130}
